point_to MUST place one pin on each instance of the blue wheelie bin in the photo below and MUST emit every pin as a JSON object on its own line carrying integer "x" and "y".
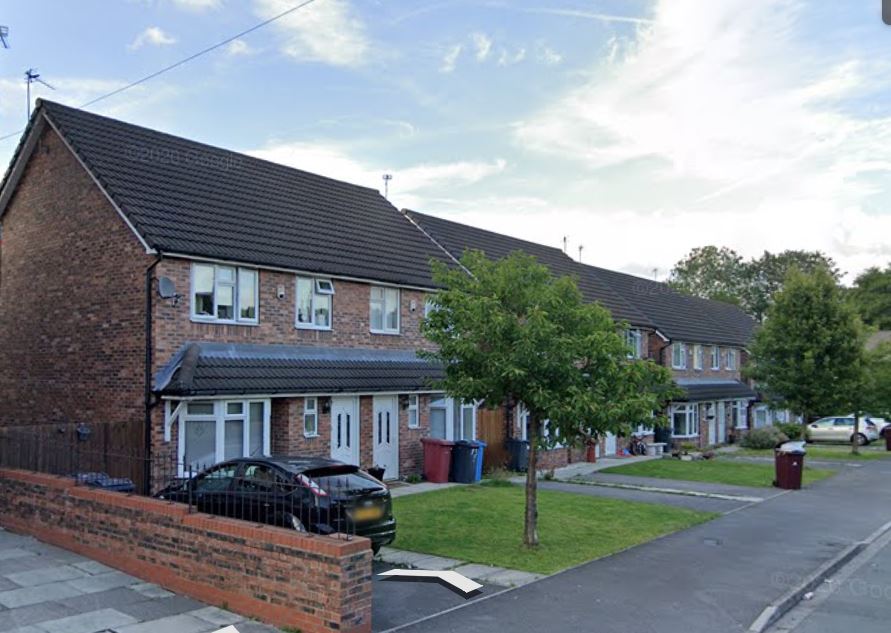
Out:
{"x": 479, "y": 459}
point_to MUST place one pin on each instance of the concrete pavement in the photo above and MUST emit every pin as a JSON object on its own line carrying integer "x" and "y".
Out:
{"x": 44, "y": 589}
{"x": 717, "y": 576}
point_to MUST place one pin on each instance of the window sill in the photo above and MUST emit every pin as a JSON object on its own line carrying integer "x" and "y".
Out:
{"x": 194, "y": 319}
{"x": 685, "y": 436}
{"x": 312, "y": 328}
{"x": 414, "y": 428}
{"x": 385, "y": 332}
{"x": 310, "y": 436}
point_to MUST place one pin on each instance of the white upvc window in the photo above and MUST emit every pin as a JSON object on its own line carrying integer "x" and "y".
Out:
{"x": 384, "y": 310}
{"x": 740, "y": 414}
{"x": 761, "y": 416}
{"x": 716, "y": 357}
{"x": 698, "y": 357}
{"x": 310, "y": 417}
{"x": 679, "y": 355}
{"x": 634, "y": 340}
{"x": 414, "y": 419}
{"x": 224, "y": 294}
{"x": 213, "y": 431}
{"x": 440, "y": 417}
{"x": 464, "y": 420}
{"x": 731, "y": 359}
{"x": 523, "y": 420}
{"x": 429, "y": 307}
{"x": 313, "y": 303}
{"x": 685, "y": 420}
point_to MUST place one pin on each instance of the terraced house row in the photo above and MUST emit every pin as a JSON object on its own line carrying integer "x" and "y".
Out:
{"x": 194, "y": 304}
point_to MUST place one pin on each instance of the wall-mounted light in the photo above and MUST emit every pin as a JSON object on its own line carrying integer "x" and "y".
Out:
{"x": 413, "y": 305}
{"x": 280, "y": 292}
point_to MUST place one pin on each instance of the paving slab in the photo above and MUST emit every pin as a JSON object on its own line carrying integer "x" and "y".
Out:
{"x": 182, "y": 623}
{"x": 413, "y": 489}
{"x": 15, "y": 552}
{"x": 217, "y": 616}
{"x": 478, "y": 572}
{"x": 91, "y": 622}
{"x": 103, "y": 582}
{"x": 34, "y": 595}
{"x": 7, "y": 585}
{"x": 151, "y": 590}
{"x": 92, "y": 567}
{"x": 121, "y": 599}
{"x": 46, "y": 575}
{"x": 400, "y": 557}
{"x": 33, "y": 614}
{"x": 513, "y": 578}
{"x": 156, "y": 609}
{"x": 436, "y": 563}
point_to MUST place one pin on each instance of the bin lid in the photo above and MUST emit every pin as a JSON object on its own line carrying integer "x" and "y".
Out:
{"x": 436, "y": 440}
{"x": 792, "y": 448}
{"x": 467, "y": 443}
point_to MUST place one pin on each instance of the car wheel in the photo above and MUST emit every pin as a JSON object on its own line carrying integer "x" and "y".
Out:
{"x": 375, "y": 548}
{"x": 860, "y": 438}
{"x": 295, "y": 523}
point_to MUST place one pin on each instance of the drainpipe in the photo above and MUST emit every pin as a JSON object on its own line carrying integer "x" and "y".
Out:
{"x": 147, "y": 467}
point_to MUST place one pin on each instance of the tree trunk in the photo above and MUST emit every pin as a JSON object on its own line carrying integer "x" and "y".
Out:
{"x": 530, "y": 531}
{"x": 855, "y": 445}
{"x": 803, "y": 426}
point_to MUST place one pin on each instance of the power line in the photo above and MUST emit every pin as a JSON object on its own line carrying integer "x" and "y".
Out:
{"x": 184, "y": 60}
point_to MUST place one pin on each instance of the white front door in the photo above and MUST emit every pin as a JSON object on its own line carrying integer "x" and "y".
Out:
{"x": 610, "y": 444}
{"x": 345, "y": 430}
{"x": 712, "y": 417}
{"x": 386, "y": 435}
{"x": 722, "y": 424}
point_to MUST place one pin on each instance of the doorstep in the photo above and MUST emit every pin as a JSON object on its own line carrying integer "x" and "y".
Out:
{"x": 489, "y": 574}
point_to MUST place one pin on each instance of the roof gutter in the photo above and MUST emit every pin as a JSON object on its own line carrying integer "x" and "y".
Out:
{"x": 149, "y": 405}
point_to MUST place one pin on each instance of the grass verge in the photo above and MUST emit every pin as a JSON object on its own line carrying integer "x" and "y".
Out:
{"x": 841, "y": 453}
{"x": 716, "y": 471}
{"x": 484, "y": 524}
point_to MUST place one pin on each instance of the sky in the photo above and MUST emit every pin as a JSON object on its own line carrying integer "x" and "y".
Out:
{"x": 636, "y": 129}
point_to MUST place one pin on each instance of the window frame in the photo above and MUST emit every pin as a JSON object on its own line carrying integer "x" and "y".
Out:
{"x": 235, "y": 284}
{"x": 634, "y": 340}
{"x": 414, "y": 408}
{"x": 313, "y": 411}
{"x": 716, "y": 358}
{"x": 383, "y": 301}
{"x": 730, "y": 359}
{"x": 691, "y": 419}
{"x": 698, "y": 357}
{"x": 682, "y": 349}
{"x": 315, "y": 294}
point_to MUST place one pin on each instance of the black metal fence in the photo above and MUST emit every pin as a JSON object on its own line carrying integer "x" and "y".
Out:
{"x": 336, "y": 501}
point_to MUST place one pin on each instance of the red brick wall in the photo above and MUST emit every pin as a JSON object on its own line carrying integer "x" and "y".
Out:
{"x": 71, "y": 300}
{"x": 350, "y": 317}
{"x": 312, "y": 583}
{"x": 706, "y": 373}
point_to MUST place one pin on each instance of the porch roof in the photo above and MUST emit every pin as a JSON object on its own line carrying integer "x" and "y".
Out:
{"x": 701, "y": 390}
{"x": 208, "y": 369}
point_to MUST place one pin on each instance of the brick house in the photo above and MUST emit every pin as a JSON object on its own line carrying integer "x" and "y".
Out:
{"x": 214, "y": 304}
{"x": 196, "y": 304}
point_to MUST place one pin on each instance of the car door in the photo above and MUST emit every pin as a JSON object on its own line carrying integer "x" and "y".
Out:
{"x": 212, "y": 489}
{"x": 842, "y": 429}
{"x": 258, "y": 493}
{"x": 821, "y": 430}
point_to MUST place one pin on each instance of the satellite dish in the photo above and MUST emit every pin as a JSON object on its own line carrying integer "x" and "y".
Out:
{"x": 166, "y": 288}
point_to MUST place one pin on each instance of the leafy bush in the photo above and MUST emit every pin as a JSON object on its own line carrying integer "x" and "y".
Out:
{"x": 792, "y": 430}
{"x": 768, "y": 437}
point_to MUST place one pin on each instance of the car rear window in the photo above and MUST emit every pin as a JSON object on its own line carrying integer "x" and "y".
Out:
{"x": 336, "y": 479}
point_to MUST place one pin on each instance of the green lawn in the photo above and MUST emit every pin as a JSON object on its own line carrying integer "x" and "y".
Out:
{"x": 717, "y": 471}
{"x": 839, "y": 452}
{"x": 484, "y": 524}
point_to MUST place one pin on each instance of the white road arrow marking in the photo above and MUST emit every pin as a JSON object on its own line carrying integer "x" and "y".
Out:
{"x": 228, "y": 629}
{"x": 460, "y": 582}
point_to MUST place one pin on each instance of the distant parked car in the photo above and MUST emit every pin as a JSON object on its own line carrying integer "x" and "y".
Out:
{"x": 301, "y": 493}
{"x": 841, "y": 429}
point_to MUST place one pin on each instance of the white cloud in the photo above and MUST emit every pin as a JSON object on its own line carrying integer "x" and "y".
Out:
{"x": 152, "y": 36}
{"x": 483, "y": 45}
{"x": 506, "y": 58}
{"x": 239, "y": 47}
{"x": 732, "y": 121}
{"x": 591, "y": 15}
{"x": 548, "y": 55}
{"x": 410, "y": 184}
{"x": 198, "y": 5}
{"x": 328, "y": 31}
{"x": 450, "y": 59}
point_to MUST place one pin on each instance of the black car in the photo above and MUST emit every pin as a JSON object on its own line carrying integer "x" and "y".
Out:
{"x": 302, "y": 493}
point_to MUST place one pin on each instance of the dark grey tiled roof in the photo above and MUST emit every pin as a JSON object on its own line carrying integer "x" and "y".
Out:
{"x": 678, "y": 316}
{"x": 700, "y": 390}
{"x": 456, "y": 238}
{"x": 206, "y": 369}
{"x": 190, "y": 198}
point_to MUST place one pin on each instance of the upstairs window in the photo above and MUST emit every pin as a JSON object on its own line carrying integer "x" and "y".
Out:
{"x": 314, "y": 303}
{"x": 679, "y": 355}
{"x": 716, "y": 357}
{"x": 698, "y": 357}
{"x": 633, "y": 339}
{"x": 226, "y": 294}
{"x": 384, "y": 310}
{"x": 731, "y": 359}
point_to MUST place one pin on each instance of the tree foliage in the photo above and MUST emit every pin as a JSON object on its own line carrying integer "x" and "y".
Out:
{"x": 511, "y": 332}
{"x": 809, "y": 354}
{"x": 877, "y": 384}
{"x": 722, "y": 274}
{"x": 871, "y": 296}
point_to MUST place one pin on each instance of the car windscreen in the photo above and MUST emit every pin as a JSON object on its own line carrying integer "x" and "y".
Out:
{"x": 343, "y": 480}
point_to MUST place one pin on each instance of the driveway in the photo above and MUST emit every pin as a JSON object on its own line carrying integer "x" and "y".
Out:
{"x": 44, "y": 589}
{"x": 713, "y": 577}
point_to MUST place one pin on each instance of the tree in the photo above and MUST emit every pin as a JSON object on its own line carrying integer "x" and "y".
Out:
{"x": 809, "y": 354}
{"x": 765, "y": 276}
{"x": 711, "y": 273}
{"x": 871, "y": 296}
{"x": 511, "y": 332}
{"x": 877, "y": 385}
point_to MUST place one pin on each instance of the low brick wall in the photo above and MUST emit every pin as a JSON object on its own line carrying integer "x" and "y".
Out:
{"x": 312, "y": 583}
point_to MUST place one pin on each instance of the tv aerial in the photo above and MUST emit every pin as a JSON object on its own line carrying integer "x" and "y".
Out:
{"x": 31, "y": 75}
{"x": 4, "y": 36}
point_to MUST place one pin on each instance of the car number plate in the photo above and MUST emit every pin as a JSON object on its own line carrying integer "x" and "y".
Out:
{"x": 368, "y": 514}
